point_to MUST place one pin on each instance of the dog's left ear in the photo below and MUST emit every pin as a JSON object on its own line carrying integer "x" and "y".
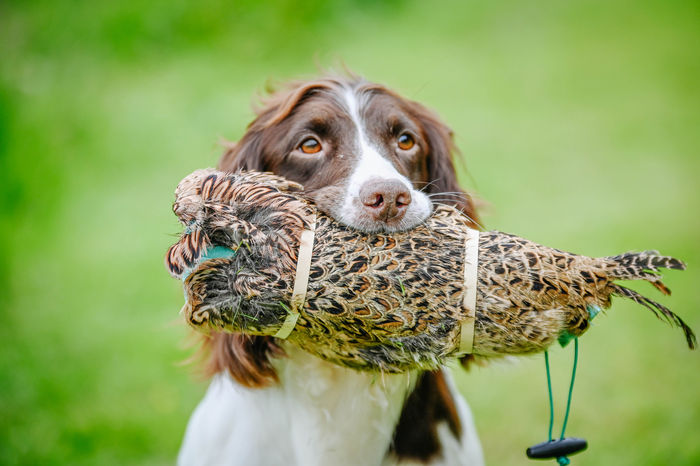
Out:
{"x": 441, "y": 169}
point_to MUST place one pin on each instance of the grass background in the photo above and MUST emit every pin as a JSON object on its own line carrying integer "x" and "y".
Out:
{"x": 579, "y": 122}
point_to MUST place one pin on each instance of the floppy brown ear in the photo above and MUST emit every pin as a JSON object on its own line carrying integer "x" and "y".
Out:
{"x": 247, "y": 358}
{"x": 441, "y": 169}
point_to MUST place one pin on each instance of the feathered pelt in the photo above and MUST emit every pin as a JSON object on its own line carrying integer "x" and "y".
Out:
{"x": 379, "y": 301}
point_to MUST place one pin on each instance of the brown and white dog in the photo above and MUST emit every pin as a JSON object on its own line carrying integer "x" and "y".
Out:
{"x": 377, "y": 162}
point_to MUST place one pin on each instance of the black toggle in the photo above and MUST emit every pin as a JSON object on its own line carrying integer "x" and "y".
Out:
{"x": 557, "y": 448}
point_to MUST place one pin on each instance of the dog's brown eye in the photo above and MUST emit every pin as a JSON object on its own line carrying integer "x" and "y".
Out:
{"x": 310, "y": 146}
{"x": 406, "y": 141}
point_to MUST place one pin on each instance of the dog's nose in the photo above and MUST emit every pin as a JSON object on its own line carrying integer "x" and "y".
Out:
{"x": 385, "y": 200}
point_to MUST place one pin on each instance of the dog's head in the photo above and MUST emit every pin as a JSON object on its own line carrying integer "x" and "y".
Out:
{"x": 368, "y": 157}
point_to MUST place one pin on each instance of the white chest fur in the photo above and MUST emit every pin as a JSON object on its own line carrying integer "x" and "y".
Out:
{"x": 319, "y": 414}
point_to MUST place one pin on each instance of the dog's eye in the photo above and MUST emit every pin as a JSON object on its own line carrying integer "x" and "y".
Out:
{"x": 405, "y": 141}
{"x": 310, "y": 146}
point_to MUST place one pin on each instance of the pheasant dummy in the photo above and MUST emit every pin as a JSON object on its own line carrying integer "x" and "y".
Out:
{"x": 257, "y": 257}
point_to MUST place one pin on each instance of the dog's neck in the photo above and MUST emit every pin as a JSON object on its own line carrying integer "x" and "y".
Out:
{"x": 337, "y": 415}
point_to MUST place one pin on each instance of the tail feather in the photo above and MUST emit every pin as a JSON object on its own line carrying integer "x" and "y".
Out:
{"x": 659, "y": 285}
{"x": 659, "y": 310}
{"x": 643, "y": 266}
{"x": 632, "y": 264}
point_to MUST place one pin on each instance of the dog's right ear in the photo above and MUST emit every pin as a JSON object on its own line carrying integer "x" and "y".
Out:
{"x": 248, "y": 358}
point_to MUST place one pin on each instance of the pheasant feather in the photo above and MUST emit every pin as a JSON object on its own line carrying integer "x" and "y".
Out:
{"x": 379, "y": 301}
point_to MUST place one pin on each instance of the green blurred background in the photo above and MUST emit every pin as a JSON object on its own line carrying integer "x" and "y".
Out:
{"x": 580, "y": 126}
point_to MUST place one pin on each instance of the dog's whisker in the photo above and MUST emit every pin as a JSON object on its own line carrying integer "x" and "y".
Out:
{"x": 427, "y": 185}
{"x": 448, "y": 193}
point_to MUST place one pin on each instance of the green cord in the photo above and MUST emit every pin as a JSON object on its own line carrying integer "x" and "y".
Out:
{"x": 562, "y": 460}
{"x": 571, "y": 388}
{"x": 551, "y": 401}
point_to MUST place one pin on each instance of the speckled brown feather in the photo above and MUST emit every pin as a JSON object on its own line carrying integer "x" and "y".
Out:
{"x": 379, "y": 301}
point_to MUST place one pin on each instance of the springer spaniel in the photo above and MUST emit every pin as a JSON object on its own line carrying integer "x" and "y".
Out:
{"x": 374, "y": 161}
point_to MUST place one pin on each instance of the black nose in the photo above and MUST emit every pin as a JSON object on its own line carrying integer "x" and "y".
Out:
{"x": 385, "y": 200}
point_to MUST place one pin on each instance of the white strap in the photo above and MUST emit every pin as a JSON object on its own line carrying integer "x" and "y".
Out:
{"x": 301, "y": 280}
{"x": 471, "y": 261}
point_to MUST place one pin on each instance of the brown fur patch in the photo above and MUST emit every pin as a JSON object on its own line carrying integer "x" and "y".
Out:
{"x": 431, "y": 402}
